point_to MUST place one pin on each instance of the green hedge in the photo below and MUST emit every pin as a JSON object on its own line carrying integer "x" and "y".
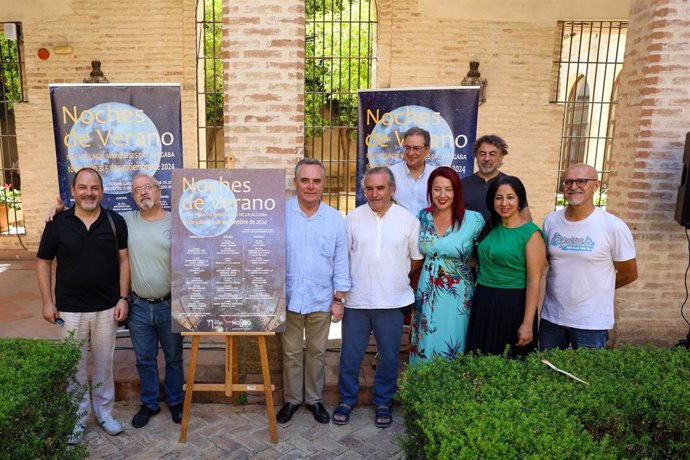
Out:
{"x": 37, "y": 415}
{"x": 637, "y": 405}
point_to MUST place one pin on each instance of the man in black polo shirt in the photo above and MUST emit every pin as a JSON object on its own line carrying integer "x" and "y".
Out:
{"x": 91, "y": 289}
{"x": 489, "y": 151}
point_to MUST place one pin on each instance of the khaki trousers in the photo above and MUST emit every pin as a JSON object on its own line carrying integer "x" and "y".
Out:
{"x": 97, "y": 331}
{"x": 304, "y": 381}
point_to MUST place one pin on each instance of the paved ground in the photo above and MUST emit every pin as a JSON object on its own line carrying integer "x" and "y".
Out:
{"x": 215, "y": 430}
{"x": 234, "y": 432}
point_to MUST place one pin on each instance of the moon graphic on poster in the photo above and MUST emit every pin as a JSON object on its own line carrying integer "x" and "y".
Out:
{"x": 442, "y": 144}
{"x": 207, "y": 209}
{"x": 117, "y": 140}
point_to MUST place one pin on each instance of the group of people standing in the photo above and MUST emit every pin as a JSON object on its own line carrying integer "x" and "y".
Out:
{"x": 481, "y": 259}
{"x": 482, "y": 263}
{"x": 480, "y": 226}
{"x": 590, "y": 253}
{"x": 111, "y": 267}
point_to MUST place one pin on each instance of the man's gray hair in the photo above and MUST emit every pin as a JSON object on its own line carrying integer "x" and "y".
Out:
{"x": 309, "y": 161}
{"x": 152, "y": 178}
{"x": 380, "y": 170}
{"x": 417, "y": 131}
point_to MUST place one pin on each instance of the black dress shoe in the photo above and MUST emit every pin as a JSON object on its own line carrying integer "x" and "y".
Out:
{"x": 286, "y": 412}
{"x": 176, "y": 413}
{"x": 141, "y": 418}
{"x": 320, "y": 413}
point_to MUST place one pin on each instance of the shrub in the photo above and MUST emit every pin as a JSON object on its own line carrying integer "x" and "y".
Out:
{"x": 637, "y": 405}
{"x": 37, "y": 415}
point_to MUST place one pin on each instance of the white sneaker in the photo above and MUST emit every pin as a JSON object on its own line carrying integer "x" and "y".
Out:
{"x": 77, "y": 435}
{"x": 110, "y": 425}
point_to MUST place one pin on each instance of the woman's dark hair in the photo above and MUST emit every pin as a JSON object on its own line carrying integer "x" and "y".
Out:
{"x": 519, "y": 189}
{"x": 458, "y": 205}
{"x": 515, "y": 184}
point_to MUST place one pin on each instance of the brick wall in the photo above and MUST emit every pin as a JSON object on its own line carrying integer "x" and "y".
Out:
{"x": 137, "y": 41}
{"x": 647, "y": 161}
{"x": 423, "y": 45}
{"x": 433, "y": 47}
{"x": 264, "y": 78}
{"x": 419, "y": 43}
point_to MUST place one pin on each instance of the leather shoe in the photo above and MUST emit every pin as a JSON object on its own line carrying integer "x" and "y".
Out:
{"x": 286, "y": 412}
{"x": 141, "y": 418}
{"x": 176, "y": 413}
{"x": 320, "y": 413}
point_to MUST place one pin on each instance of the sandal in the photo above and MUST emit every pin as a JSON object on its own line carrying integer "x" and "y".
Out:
{"x": 341, "y": 414}
{"x": 383, "y": 417}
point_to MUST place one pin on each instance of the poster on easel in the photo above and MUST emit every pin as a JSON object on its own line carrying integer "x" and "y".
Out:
{"x": 449, "y": 114}
{"x": 120, "y": 130}
{"x": 228, "y": 257}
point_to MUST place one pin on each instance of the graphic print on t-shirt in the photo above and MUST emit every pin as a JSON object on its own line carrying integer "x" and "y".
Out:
{"x": 572, "y": 243}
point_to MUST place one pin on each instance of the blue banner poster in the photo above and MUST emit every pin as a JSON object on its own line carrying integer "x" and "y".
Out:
{"x": 228, "y": 261}
{"x": 120, "y": 130}
{"x": 449, "y": 114}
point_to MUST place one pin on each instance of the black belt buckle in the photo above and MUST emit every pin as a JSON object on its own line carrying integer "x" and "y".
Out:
{"x": 154, "y": 301}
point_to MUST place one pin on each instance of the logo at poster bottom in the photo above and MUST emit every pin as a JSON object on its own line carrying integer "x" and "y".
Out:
{"x": 240, "y": 323}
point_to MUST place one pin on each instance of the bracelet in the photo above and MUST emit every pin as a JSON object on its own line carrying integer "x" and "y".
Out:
{"x": 126, "y": 298}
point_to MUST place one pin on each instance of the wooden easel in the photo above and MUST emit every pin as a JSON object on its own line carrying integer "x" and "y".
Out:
{"x": 231, "y": 376}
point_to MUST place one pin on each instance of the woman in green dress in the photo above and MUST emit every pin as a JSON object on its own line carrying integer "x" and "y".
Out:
{"x": 447, "y": 236}
{"x": 512, "y": 257}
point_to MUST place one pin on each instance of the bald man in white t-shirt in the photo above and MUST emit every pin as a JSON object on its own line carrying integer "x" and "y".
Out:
{"x": 591, "y": 254}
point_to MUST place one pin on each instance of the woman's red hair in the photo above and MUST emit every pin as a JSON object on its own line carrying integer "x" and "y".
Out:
{"x": 458, "y": 201}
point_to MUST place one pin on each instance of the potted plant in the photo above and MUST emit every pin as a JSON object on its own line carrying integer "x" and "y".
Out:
{"x": 10, "y": 204}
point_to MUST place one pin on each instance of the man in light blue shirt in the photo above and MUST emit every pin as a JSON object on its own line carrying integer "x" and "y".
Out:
{"x": 318, "y": 276}
{"x": 411, "y": 174}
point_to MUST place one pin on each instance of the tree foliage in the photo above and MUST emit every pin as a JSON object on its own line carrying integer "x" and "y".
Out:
{"x": 339, "y": 41}
{"x": 10, "y": 75}
{"x": 212, "y": 31}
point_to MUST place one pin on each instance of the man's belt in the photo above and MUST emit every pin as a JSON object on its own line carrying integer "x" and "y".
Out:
{"x": 157, "y": 300}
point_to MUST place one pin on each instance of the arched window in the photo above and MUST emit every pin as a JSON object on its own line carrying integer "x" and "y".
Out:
{"x": 576, "y": 124}
{"x": 610, "y": 132}
{"x": 587, "y": 64}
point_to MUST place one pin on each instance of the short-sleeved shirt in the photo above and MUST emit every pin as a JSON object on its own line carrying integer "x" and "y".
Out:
{"x": 317, "y": 259}
{"x": 410, "y": 193}
{"x": 474, "y": 190}
{"x": 88, "y": 268}
{"x": 149, "y": 254}
{"x": 581, "y": 282}
{"x": 502, "y": 260}
{"x": 381, "y": 250}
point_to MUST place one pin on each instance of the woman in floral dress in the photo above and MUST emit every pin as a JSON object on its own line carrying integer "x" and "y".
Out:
{"x": 444, "y": 293}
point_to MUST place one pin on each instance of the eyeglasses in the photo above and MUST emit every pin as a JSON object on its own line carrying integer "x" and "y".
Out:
{"x": 414, "y": 148}
{"x": 147, "y": 187}
{"x": 581, "y": 182}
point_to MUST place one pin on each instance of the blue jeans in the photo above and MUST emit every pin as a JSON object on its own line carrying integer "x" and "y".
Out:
{"x": 554, "y": 336}
{"x": 357, "y": 325}
{"x": 149, "y": 324}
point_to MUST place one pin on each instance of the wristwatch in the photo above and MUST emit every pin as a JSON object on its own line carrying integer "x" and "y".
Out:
{"x": 122, "y": 297}
{"x": 339, "y": 299}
